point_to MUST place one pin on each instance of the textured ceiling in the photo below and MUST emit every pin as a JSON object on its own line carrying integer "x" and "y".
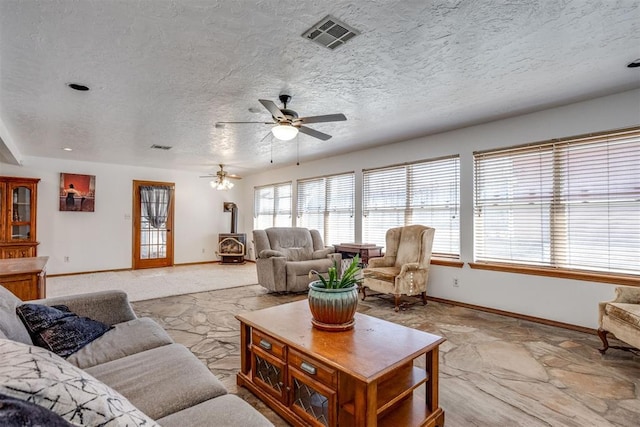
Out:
{"x": 164, "y": 72}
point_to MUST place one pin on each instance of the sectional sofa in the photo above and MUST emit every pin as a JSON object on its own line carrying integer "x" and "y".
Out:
{"x": 133, "y": 374}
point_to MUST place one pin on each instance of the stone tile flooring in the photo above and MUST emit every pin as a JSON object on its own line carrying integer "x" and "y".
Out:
{"x": 494, "y": 370}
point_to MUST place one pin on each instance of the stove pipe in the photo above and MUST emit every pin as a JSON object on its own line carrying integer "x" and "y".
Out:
{"x": 231, "y": 207}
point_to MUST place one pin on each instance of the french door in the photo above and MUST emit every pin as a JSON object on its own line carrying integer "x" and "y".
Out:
{"x": 153, "y": 204}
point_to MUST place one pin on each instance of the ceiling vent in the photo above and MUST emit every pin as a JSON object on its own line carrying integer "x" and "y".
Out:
{"x": 161, "y": 147}
{"x": 330, "y": 32}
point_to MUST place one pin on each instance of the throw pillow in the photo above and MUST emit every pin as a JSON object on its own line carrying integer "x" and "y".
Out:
{"x": 16, "y": 412}
{"x": 10, "y": 324}
{"x": 59, "y": 330}
{"x": 38, "y": 376}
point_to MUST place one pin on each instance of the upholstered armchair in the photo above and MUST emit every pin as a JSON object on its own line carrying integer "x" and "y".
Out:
{"x": 404, "y": 268}
{"x": 285, "y": 255}
{"x": 621, "y": 317}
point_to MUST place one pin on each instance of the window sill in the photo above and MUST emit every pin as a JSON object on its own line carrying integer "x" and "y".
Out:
{"x": 616, "y": 279}
{"x": 447, "y": 262}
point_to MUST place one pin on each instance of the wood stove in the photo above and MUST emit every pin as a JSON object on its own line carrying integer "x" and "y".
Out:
{"x": 232, "y": 246}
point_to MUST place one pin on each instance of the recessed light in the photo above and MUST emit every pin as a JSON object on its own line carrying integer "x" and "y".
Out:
{"x": 78, "y": 86}
{"x": 255, "y": 110}
{"x": 67, "y": 149}
{"x": 634, "y": 64}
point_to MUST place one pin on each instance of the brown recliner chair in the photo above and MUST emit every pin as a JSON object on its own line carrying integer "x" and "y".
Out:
{"x": 404, "y": 268}
{"x": 285, "y": 255}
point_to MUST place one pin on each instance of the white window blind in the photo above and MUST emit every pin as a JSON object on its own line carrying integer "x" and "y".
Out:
{"x": 327, "y": 205}
{"x": 426, "y": 192}
{"x": 573, "y": 204}
{"x": 272, "y": 206}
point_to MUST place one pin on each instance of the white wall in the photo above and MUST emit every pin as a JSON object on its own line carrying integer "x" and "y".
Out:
{"x": 569, "y": 301}
{"x": 102, "y": 240}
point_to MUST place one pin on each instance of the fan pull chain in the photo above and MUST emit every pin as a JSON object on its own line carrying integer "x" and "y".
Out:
{"x": 297, "y": 151}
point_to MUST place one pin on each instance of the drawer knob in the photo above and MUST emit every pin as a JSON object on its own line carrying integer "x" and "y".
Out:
{"x": 265, "y": 344}
{"x": 309, "y": 369}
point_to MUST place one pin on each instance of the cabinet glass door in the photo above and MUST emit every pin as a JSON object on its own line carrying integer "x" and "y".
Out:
{"x": 310, "y": 400}
{"x": 268, "y": 374}
{"x": 3, "y": 209}
{"x": 20, "y": 213}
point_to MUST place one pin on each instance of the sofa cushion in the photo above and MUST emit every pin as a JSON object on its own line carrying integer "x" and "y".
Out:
{"x": 160, "y": 381}
{"x": 410, "y": 245}
{"x": 58, "y": 329}
{"x": 297, "y": 254}
{"x": 302, "y": 268}
{"x": 16, "y": 412}
{"x": 124, "y": 339}
{"x": 10, "y": 323}
{"x": 224, "y": 411}
{"x": 627, "y": 313}
{"x": 39, "y": 376}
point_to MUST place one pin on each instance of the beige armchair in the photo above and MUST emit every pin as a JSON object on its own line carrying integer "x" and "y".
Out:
{"x": 285, "y": 255}
{"x": 404, "y": 268}
{"x": 621, "y": 317}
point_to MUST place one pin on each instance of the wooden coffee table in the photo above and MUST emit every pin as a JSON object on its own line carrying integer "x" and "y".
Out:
{"x": 361, "y": 377}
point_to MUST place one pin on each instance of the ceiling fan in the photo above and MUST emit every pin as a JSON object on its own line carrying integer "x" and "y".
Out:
{"x": 223, "y": 179}
{"x": 288, "y": 123}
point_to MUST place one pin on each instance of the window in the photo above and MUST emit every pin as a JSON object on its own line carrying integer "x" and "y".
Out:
{"x": 573, "y": 204}
{"x": 425, "y": 192}
{"x": 326, "y": 204}
{"x": 272, "y": 206}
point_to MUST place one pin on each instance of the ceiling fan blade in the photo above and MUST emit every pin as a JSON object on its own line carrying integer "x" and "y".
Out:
{"x": 236, "y": 123}
{"x": 233, "y": 176}
{"x": 314, "y": 133}
{"x": 322, "y": 119}
{"x": 273, "y": 108}
{"x": 207, "y": 176}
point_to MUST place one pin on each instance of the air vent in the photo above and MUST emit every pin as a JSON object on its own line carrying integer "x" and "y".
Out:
{"x": 161, "y": 147}
{"x": 330, "y": 32}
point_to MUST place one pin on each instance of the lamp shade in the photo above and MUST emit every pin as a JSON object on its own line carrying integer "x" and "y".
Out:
{"x": 222, "y": 184}
{"x": 284, "y": 132}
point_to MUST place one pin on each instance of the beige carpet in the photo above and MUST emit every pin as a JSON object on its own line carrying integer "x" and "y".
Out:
{"x": 157, "y": 282}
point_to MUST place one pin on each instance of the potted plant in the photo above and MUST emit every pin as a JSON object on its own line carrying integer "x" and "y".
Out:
{"x": 333, "y": 300}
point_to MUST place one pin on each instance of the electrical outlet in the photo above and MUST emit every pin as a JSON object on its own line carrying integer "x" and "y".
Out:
{"x": 456, "y": 283}
{"x": 66, "y": 259}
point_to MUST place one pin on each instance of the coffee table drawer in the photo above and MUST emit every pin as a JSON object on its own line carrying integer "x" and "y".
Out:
{"x": 268, "y": 344}
{"x": 312, "y": 368}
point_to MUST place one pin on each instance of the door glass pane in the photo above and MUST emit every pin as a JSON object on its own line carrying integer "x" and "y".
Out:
{"x": 153, "y": 241}
{"x": 154, "y": 213}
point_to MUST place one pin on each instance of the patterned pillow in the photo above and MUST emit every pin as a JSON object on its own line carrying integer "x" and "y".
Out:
{"x": 58, "y": 329}
{"x": 36, "y": 375}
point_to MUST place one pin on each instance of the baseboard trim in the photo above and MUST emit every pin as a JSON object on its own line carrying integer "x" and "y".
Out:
{"x": 516, "y": 315}
{"x": 77, "y": 273}
{"x": 115, "y": 270}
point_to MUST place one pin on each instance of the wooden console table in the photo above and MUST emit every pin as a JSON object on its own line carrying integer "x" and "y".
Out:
{"x": 25, "y": 277}
{"x": 361, "y": 377}
{"x": 365, "y": 251}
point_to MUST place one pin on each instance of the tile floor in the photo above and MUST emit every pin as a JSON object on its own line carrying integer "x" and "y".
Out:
{"x": 494, "y": 370}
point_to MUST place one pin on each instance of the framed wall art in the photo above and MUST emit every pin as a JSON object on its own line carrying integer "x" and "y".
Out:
{"x": 77, "y": 192}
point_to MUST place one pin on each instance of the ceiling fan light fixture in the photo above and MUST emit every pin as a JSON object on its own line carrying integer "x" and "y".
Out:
{"x": 222, "y": 184}
{"x": 284, "y": 132}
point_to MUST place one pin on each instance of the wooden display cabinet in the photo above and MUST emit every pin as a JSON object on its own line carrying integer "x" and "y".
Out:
{"x": 18, "y": 210}
{"x": 26, "y": 278}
